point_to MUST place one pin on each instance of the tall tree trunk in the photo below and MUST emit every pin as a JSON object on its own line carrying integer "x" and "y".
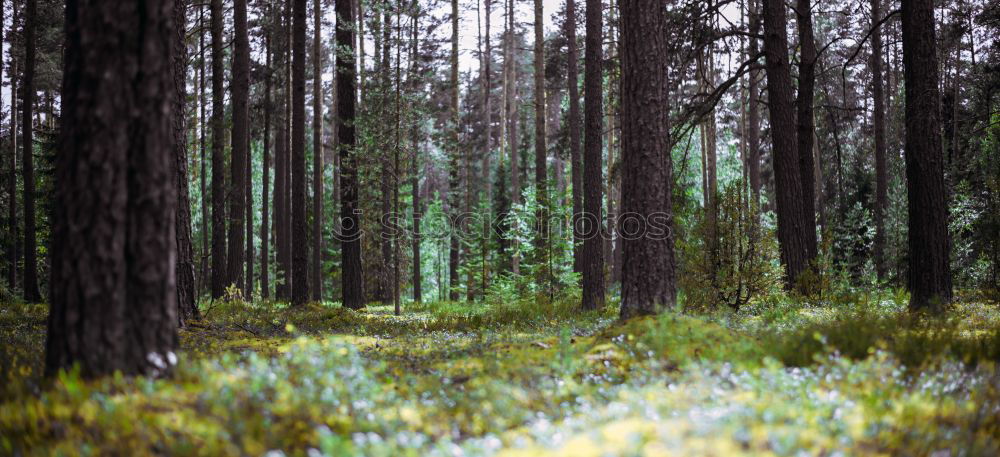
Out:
{"x": 592, "y": 255}
{"x": 12, "y": 231}
{"x": 240, "y": 86}
{"x": 353, "y": 285}
{"x": 418, "y": 208}
{"x": 202, "y": 101}
{"x": 487, "y": 178}
{"x": 753, "y": 116}
{"x": 32, "y": 294}
{"x": 806, "y": 124}
{"x": 510, "y": 60}
{"x": 488, "y": 109}
{"x": 453, "y": 173}
{"x": 397, "y": 255}
{"x": 220, "y": 280}
{"x": 382, "y": 42}
{"x": 318, "y": 168}
{"x": 576, "y": 161}
{"x": 881, "y": 170}
{"x": 541, "y": 159}
{"x": 929, "y": 243}
{"x": 300, "y": 225}
{"x": 792, "y": 225}
{"x": 710, "y": 157}
{"x": 282, "y": 210}
{"x": 186, "y": 305}
{"x": 265, "y": 260}
{"x": 648, "y": 277}
{"x": 113, "y": 291}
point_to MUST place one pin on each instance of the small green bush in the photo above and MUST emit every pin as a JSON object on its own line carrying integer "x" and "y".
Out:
{"x": 735, "y": 266}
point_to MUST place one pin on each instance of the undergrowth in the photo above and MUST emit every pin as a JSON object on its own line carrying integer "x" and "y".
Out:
{"x": 524, "y": 377}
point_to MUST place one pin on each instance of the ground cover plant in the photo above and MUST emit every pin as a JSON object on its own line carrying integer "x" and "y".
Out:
{"x": 459, "y": 379}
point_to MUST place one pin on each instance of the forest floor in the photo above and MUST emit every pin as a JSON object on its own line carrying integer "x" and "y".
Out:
{"x": 861, "y": 377}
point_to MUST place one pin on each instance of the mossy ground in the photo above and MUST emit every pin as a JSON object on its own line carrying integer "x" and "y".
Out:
{"x": 856, "y": 378}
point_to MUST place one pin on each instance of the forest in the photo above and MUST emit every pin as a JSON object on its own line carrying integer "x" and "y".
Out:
{"x": 509, "y": 228}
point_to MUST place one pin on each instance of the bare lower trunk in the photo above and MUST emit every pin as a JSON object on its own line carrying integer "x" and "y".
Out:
{"x": 113, "y": 292}
{"x": 186, "y": 304}
{"x": 591, "y": 220}
{"x": 219, "y": 278}
{"x": 792, "y": 224}
{"x": 878, "y": 121}
{"x": 929, "y": 244}
{"x": 453, "y": 173}
{"x": 805, "y": 124}
{"x": 353, "y": 286}
{"x": 318, "y": 157}
{"x": 648, "y": 275}
{"x": 32, "y": 294}
{"x": 240, "y": 87}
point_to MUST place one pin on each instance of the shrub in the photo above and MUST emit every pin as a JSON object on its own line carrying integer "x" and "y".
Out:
{"x": 738, "y": 265}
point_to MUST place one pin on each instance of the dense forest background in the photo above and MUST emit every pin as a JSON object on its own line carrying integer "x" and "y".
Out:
{"x": 438, "y": 134}
{"x": 477, "y": 227}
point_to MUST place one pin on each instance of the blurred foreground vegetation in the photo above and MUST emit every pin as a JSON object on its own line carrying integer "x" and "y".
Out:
{"x": 858, "y": 376}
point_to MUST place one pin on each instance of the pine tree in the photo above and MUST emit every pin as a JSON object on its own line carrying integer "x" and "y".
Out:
{"x": 929, "y": 244}
{"x": 220, "y": 280}
{"x": 592, "y": 262}
{"x": 113, "y": 294}
{"x": 32, "y": 293}
{"x": 353, "y": 286}
{"x": 648, "y": 271}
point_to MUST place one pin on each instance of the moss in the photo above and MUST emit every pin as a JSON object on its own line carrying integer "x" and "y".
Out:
{"x": 447, "y": 379}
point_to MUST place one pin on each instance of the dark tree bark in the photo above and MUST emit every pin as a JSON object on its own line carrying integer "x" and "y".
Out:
{"x": 878, "y": 121}
{"x": 929, "y": 243}
{"x": 487, "y": 178}
{"x": 281, "y": 166}
{"x": 382, "y": 39}
{"x": 265, "y": 260}
{"x": 186, "y": 305}
{"x": 753, "y": 116}
{"x": 455, "y": 153}
{"x": 353, "y": 285}
{"x": 317, "y": 126}
{"x": 792, "y": 224}
{"x": 806, "y": 124}
{"x": 592, "y": 258}
{"x": 286, "y": 126}
{"x": 240, "y": 87}
{"x": 202, "y": 101}
{"x": 12, "y": 232}
{"x": 220, "y": 279}
{"x": 300, "y": 225}
{"x": 488, "y": 108}
{"x": 648, "y": 277}
{"x": 113, "y": 290}
{"x": 32, "y": 294}
{"x": 576, "y": 161}
{"x": 418, "y": 208}
{"x": 510, "y": 60}
{"x": 541, "y": 159}
{"x": 396, "y": 171}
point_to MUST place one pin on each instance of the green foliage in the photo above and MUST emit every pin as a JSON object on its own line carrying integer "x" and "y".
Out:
{"x": 524, "y": 378}
{"x": 969, "y": 334}
{"x": 738, "y": 264}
